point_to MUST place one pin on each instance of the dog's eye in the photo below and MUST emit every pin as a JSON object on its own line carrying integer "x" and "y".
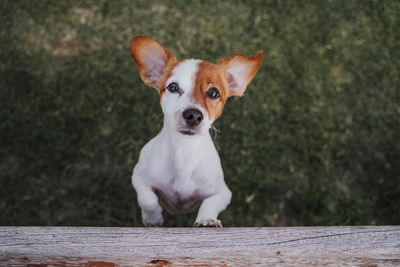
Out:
{"x": 173, "y": 87}
{"x": 213, "y": 93}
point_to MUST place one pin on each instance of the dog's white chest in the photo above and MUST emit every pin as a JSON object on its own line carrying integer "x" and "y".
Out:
{"x": 180, "y": 174}
{"x": 185, "y": 182}
{"x": 180, "y": 196}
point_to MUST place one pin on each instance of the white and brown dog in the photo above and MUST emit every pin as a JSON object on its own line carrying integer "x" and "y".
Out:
{"x": 181, "y": 165}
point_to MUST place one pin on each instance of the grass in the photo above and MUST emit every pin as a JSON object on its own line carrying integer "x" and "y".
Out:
{"x": 314, "y": 141}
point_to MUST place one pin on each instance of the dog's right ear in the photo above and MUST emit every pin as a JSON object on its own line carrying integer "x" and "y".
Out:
{"x": 151, "y": 58}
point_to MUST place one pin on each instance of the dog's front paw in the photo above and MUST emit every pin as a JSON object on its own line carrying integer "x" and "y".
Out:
{"x": 153, "y": 223}
{"x": 152, "y": 220}
{"x": 208, "y": 223}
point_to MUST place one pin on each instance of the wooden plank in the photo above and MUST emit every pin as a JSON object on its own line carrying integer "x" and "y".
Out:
{"x": 97, "y": 246}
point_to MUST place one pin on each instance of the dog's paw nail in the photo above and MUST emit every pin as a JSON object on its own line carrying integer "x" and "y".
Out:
{"x": 208, "y": 223}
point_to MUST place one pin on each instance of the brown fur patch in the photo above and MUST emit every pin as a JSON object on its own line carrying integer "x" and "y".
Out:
{"x": 210, "y": 75}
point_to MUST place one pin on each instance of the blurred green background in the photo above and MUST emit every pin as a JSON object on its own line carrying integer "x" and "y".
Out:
{"x": 315, "y": 140}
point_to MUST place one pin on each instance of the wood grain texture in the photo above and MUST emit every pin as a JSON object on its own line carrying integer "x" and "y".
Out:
{"x": 96, "y": 246}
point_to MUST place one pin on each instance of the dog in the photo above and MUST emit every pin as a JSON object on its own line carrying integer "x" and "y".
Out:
{"x": 180, "y": 167}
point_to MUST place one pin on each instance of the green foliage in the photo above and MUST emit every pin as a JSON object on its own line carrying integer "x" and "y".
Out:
{"x": 315, "y": 140}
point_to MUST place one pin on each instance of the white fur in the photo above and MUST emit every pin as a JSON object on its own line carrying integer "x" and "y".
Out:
{"x": 180, "y": 169}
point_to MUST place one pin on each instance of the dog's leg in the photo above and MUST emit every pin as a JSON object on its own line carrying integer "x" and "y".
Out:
{"x": 148, "y": 202}
{"x": 211, "y": 207}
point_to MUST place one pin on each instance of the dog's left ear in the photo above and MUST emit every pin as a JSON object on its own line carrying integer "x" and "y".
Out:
{"x": 151, "y": 59}
{"x": 239, "y": 70}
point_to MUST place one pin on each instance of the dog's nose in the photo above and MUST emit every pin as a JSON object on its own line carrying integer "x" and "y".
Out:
{"x": 192, "y": 117}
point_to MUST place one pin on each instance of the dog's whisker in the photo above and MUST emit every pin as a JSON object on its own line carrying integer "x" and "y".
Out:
{"x": 215, "y": 130}
{"x": 158, "y": 119}
{"x": 160, "y": 122}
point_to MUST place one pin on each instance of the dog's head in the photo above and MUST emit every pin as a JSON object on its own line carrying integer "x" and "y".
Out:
{"x": 192, "y": 92}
